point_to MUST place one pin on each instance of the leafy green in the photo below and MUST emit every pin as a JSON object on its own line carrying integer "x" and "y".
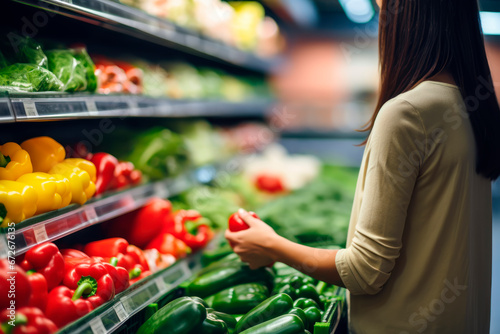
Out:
{"x": 83, "y": 57}
{"x": 31, "y": 52}
{"x": 68, "y": 69}
{"x": 28, "y": 78}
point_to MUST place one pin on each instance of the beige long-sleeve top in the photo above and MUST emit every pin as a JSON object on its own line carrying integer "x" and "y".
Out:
{"x": 418, "y": 256}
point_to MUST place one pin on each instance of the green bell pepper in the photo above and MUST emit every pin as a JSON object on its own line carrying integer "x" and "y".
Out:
{"x": 227, "y": 318}
{"x": 305, "y": 303}
{"x": 239, "y": 299}
{"x": 211, "y": 325}
{"x": 301, "y": 314}
{"x": 180, "y": 316}
{"x": 232, "y": 274}
{"x": 297, "y": 286}
{"x": 285, "y": 324}
{"x": 270, "y": 308}
{"x": 313, "y": 315}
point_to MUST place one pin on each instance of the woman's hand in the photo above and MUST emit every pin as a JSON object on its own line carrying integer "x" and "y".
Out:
{"x": 254, "y": 245}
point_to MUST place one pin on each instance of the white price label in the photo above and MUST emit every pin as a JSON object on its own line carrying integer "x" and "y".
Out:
{"x": 97, "y": 326}
{"x": 120, "y": 311}
{"x": 40, "y": 233}
{"x": 160, "y": 283}
{"x": 91, "y": 215}
{"x": 30, "y": 108}
{"x": 4, "y": 249}
{"x": 91, "y": 106}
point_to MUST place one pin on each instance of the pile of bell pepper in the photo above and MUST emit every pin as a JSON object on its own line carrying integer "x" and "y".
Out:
{"x": 55, "y": 287}
{"x": 161, "y": 231}
{"x": 35, "y": 178}
{"x": 237, "y": 299}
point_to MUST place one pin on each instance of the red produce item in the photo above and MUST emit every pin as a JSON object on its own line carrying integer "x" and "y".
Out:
{"x": 195, "y": 237}
{"x": 105, "y": 165}
{"x": 269, "y": 183}
{"x": 65, "y": 305}
{"x": 139, "y": 227}
{"x": 125, "y": 176}
{"x": 39, "y": 291}
{"x": 21, "y": 288}
{"x": 27, "y": 320}
{"x": 46, "y": 260}
{"x": 237, "y": 224}
{"x": 166, "y": 243}
{"x": 100, "y": 287}
{"x": 119, "y": 275}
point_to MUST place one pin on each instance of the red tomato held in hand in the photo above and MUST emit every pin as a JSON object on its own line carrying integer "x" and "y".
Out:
{"x": 236, "y": 223}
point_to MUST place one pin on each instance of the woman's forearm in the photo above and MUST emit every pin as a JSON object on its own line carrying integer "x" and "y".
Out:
{"x": 315, "y": 262}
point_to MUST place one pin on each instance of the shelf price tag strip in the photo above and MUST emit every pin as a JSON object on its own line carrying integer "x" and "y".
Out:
{"x": 4, "y": 250}
{"x": 40, "y": 233}
{"x": 120, "y": 311}
{"x": 30, "y": 108}
{"x": 97, "y": 326}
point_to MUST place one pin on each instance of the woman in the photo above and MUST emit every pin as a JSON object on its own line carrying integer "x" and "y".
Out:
{"x": 418, "y": 256}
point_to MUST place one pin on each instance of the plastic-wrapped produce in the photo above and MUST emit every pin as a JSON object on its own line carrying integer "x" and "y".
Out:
{"x": 28, "y": 78}
{"x": 31, "y": 52}
{"x": 83, "y": 57}
{"x": 68, "y": 69}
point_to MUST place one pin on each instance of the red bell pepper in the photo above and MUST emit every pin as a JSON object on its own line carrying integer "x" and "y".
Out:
{"x": 46, "y": 260}
{"x": 102, "y": 287}
{"x": 65, "y": 305}
{"x": 178, "y": 228}
{"x": 39, "y": 291}
{"x": 105, "y": 170}
{"x": 15, "y": 289}
{"x": 125, "y": 175}
{"x": 119, "y": 275}
{"x": 237, "y": 224}
{"x": 138, "y": 275}
{"x": 128, "y": 257}
{"x": 139, "y": 227}
{"x": 26, "y": 320}
{"x": 166, "y": 243}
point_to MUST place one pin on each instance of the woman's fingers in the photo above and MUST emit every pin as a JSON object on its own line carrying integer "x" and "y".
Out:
{"x": 248, "y": 218}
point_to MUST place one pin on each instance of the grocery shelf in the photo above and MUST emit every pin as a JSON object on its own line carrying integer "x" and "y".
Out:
{"x": 57, "y": 224}
{"x": 139, "y": 24}
{"x": 110, "y": 316}
{"x": 54, "y": 106}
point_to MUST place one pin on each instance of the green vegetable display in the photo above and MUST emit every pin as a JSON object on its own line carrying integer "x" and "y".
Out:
{"x": 180, "y": 316}
{"x": 232, "y": 274}
{"x": 239, "y": 299}
{"x": 285, "y": 324}
{"x": 159, "y": 153}
{"x": 269, "y": 309}
{"x": 321, "y": 209}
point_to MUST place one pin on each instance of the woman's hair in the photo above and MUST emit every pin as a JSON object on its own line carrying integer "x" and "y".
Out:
{"x": 421, "y": 38}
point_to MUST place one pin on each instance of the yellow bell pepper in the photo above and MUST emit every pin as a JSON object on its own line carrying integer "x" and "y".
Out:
{"x": 14, "y": 162}
{"x": 84, "y": 164}
{"x": 82, "y": 187}
{"x": 17, "y": 202}
{"x": 54, "y": 191}
{"x": 44, "y": 152}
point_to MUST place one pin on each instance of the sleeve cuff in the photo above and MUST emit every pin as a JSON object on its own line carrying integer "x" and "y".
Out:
{"x": 346, "y": 273}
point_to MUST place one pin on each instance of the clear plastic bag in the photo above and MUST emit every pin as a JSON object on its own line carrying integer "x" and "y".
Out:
{"x": 68, "y": 69}
{"x": 28, "y": 78}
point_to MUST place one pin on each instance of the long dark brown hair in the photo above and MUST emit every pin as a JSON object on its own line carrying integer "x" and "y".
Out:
{"x": 421, "y": 38}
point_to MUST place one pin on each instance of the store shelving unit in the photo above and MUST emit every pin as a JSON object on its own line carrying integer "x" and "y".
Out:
{"x": 51, "y": 106}
{"x": 134, "y": 22}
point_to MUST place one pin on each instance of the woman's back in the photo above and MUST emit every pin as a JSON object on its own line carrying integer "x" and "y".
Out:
{"x": 420, "y": 232}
